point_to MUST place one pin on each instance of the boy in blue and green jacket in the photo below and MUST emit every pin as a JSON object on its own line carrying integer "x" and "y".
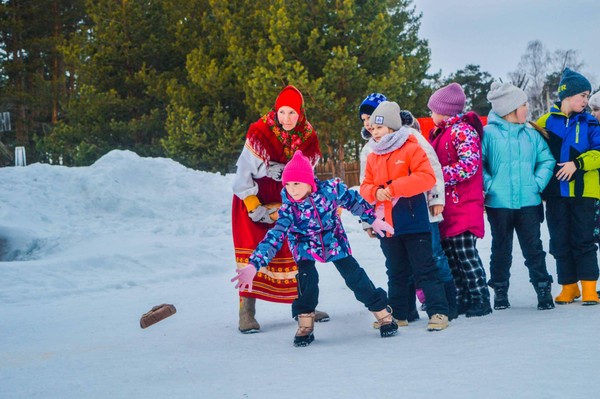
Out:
{"x": 574, "y": 140}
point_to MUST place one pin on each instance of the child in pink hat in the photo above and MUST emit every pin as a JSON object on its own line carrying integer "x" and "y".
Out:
{"x": 308, "y": 218}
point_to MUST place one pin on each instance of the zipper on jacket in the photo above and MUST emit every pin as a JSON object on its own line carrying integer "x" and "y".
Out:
{"x": 577, "y": 133}
{"x": 567, "y": 124}
{"x": 320, "y": 224}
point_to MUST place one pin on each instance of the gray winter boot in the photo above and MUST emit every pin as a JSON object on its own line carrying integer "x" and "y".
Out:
{"x": 321, "y": 317}
{"x": 248, "y": 324}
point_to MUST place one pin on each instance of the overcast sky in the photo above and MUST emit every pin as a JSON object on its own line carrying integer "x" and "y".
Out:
{"x": 494, "y": 34}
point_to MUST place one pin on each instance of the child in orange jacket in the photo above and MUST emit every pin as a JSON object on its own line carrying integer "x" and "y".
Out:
{"x": 398, "y": 172}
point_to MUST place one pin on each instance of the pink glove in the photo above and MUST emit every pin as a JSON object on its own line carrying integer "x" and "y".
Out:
{"x": 379, "y": 226}
{"x": 421, "y": 295}
{"x": 245, "y": 275}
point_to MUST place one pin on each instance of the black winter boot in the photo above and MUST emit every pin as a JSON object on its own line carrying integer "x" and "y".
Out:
{"x": 450, "y": 289}
{"x": 544, "y": 295}
{"x": 479, "y": 309}
{"x": 501, "y": 295}
{"x": 387, "y": 324}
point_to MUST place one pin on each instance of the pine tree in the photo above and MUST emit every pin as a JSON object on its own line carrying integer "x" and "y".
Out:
{"x": 33, "y": 76}
{"x": 476, "y": 84}
{"x": 123, "y": 59}
{"x": 335, "y": 52}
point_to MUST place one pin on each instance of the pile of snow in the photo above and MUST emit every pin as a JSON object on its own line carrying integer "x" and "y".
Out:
{"x": 85, "y": 251}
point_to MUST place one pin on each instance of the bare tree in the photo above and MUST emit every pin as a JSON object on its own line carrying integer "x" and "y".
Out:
{"x": 531, "y": 75}
{"x": 562, "y": 59}
{"x": 539, "y": 72}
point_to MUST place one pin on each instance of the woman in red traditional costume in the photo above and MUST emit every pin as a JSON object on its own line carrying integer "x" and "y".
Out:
{"x": 270, "y": 144}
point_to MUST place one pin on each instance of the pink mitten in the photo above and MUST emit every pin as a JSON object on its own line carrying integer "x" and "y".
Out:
{"x": 245, "y": 275}
{"x": 379, "y": 226}
{"x": 420, "y": 295}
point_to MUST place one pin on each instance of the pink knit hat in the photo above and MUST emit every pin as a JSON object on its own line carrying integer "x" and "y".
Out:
{"x": 449, "y": 100}
{"x": 299, "y": 169}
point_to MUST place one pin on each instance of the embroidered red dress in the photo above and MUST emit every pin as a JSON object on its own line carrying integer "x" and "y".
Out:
{"x": 267, "y": 143}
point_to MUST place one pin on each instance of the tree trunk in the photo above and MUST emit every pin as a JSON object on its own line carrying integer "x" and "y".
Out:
{"x": 55, "y": 64}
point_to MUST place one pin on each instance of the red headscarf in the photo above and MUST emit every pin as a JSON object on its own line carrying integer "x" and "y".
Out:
{"x": 297, "y": 137}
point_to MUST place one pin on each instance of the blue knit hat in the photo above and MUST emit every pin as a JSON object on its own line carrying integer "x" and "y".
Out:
{"x": 370, "y": 103}
{"x": 572, "y": 83}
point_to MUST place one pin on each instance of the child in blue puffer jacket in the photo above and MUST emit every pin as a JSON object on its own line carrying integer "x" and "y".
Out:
{"x": 517, "y": 166}
{"x": 308, "y": 216}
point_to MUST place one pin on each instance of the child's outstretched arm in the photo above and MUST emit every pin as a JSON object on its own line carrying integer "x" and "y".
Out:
{"x": 354, "y": 202}
{"x": 265, "y": 251}
{"x": 358, "y": 206}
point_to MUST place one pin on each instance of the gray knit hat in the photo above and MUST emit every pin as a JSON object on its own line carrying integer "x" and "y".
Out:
{"x": 595, "y": 101}
{"x": 387, "y": 114}
{"x": 505, "y": 98}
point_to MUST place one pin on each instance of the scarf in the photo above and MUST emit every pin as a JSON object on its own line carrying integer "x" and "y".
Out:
{"x": 293, "y": 139}
{"x": 391, "y": 142}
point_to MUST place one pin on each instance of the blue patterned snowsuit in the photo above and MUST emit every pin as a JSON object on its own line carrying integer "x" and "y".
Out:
{"x": 315, "y": 233}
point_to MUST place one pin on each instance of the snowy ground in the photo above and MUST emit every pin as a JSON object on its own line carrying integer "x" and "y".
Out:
{"x": 86, "y": 251}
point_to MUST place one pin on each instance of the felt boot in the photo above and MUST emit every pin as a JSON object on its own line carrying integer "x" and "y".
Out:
{"x": 321, "y": 317}
{"x": 569, "y": 293}
{"x": 590, "y": 296}
{"x": 387, "y": 325}
{"x": 248, "y": 324}
{"x": 304, "y": 335}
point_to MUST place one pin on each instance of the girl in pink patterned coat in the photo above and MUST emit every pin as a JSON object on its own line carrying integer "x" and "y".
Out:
{"x": 457, "y": 142}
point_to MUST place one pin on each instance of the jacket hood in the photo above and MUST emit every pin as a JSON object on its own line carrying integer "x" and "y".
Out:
{"x": 500, "y": 122}
{"x": 287, "y": 199}
{"x": 365, "y": 134}
{"x": 580, "y": 116}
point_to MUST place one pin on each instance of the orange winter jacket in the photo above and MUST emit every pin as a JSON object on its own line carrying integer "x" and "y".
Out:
{"x": 408, "y": 173}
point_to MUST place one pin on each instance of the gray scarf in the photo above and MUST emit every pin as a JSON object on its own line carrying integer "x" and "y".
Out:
{"x": 391, "y": 142}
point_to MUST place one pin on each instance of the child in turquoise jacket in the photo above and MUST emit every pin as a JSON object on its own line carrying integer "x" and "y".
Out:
{"x": 517, "y": 166}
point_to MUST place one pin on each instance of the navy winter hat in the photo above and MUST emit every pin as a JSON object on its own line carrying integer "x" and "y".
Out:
{"x": 572, "y": 83}
{"x": 370, "y": 103}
